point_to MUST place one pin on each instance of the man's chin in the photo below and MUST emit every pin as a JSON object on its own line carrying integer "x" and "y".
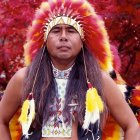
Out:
{"x": 64, "y": 56}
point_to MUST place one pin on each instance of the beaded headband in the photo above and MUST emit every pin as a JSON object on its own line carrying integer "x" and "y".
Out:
{"x": 63, "y": 20}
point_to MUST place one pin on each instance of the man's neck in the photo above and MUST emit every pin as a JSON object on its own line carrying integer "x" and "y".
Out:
{"x": 62, "y": 64}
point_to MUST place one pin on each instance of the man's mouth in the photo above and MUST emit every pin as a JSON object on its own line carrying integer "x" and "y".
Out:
{"x": 63, "y": 47}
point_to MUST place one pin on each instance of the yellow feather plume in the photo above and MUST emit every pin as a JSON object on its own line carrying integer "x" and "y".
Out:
{"x": 24, "y": 112}
{"x": 93, "y": 100}
{"x": 90, "y": 100}
{"x": 98, "y": 100}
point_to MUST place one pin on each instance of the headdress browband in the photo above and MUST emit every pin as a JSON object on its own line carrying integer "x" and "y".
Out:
{"x": 62, "y": 20}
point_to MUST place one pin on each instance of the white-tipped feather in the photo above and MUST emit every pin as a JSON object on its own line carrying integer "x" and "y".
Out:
{"x": 95, "y": 116}
{"x": 123, "y": 88}
{"x": 26, "y": 125}
{"x": 91, "y": 117}
{"x": 87, "y": 120}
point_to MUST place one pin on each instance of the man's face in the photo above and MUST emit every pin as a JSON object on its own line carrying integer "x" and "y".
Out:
{"x": 63, "y": 42}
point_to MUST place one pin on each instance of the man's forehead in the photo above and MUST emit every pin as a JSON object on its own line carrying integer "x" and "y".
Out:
{"x": 63, "y": 26}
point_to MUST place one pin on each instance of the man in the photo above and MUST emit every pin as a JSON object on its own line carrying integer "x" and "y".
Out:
{"x": 64, "y": 92}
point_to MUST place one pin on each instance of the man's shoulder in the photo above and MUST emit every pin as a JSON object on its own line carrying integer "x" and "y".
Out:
{"x": 105, "y": 75}
{"x": 20, "y": 74}
{"x": 22, "y": 71}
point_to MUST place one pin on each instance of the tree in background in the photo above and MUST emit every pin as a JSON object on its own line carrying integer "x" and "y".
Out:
{"x": 15, "y": 17}
{"x": 123, "y": 25}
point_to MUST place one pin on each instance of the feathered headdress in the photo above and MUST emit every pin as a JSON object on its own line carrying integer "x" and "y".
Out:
{"x": 81, "y": 15}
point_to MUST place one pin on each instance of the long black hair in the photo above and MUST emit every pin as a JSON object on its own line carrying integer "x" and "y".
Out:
{"x": 44, "y": 91}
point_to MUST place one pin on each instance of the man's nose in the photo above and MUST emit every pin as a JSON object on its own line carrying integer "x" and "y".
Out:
{"x": 63, "y": 36}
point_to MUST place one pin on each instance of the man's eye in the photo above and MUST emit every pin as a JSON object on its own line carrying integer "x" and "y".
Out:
{"x": 72, "y": 30}
{"x": 55, "y": 30}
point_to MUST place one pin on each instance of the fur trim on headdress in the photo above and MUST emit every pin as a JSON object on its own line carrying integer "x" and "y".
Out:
{"x": 95, "y": 34}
